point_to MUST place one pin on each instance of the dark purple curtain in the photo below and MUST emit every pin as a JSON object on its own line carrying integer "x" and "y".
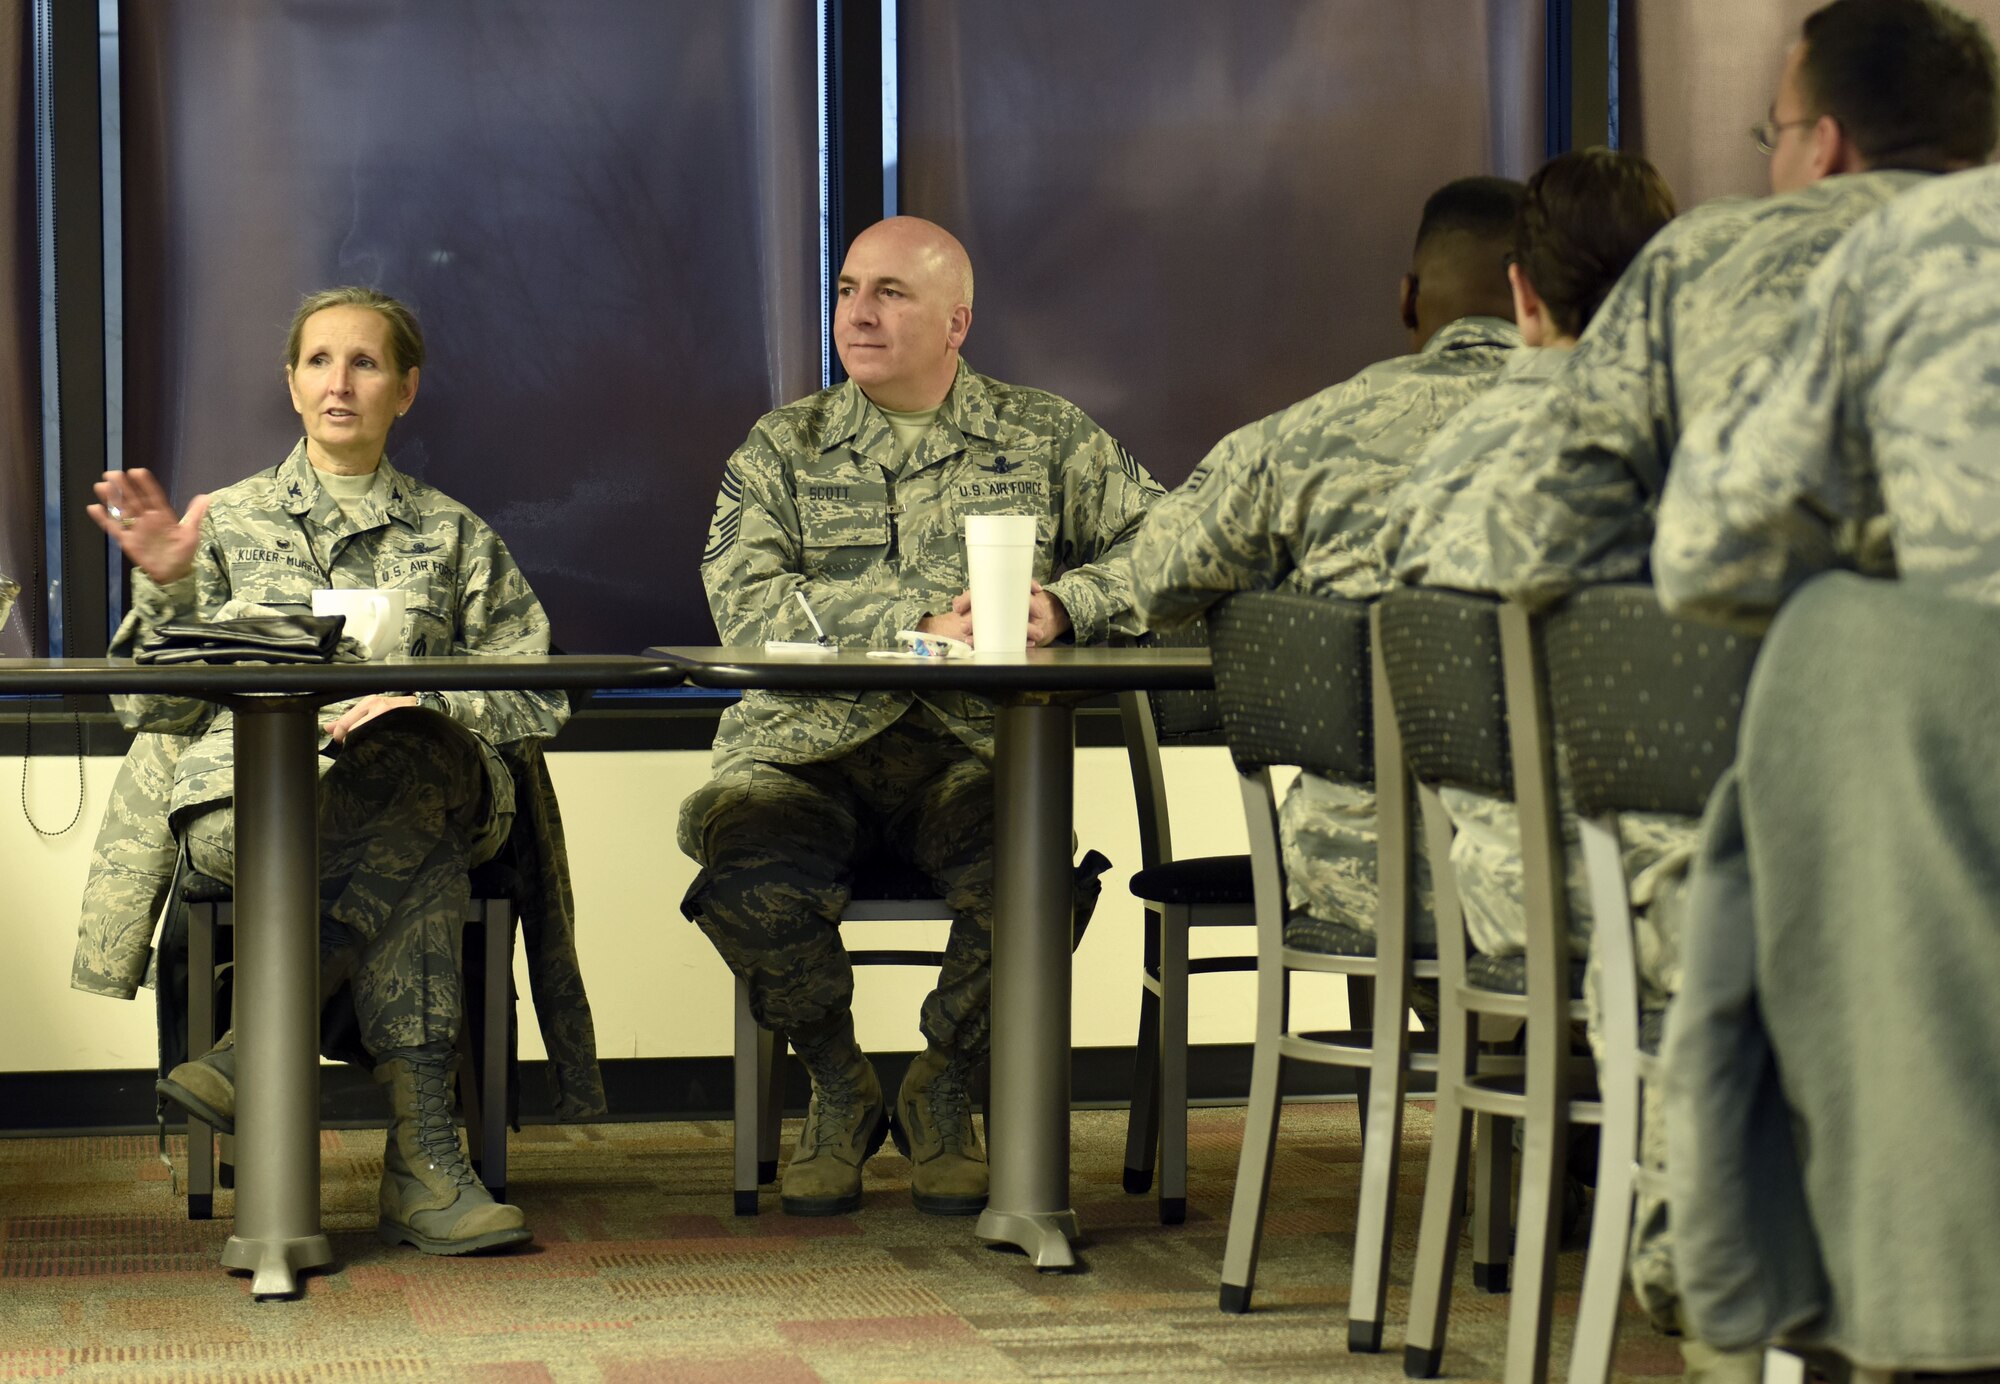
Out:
{"x": 605, "y": 212}
{"x": 1187, "y": 222}
{"x": 20, "y": 366}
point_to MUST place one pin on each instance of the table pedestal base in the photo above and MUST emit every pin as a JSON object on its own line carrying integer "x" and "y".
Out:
{"x": 1033, "y": 781}
{"x": 1043, "y": 1236}
{"x": 275, "y": 1265}
{"x": 277, "y": 995}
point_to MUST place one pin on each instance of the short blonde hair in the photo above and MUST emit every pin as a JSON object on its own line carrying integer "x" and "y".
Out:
{"x": 406, "y": 338}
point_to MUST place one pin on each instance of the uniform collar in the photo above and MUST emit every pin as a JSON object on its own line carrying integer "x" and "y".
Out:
{"x": 1473, "y": 331}
{"x": 967, "y": 411}
{"x": 301, "y": 494}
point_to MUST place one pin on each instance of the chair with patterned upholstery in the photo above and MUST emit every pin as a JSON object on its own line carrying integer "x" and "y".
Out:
{"x": 1295, "y": 686}
{"x": 1178, "y": 896}
{"x": 1443, "y": 655}
{"x": 1645, "y": 708}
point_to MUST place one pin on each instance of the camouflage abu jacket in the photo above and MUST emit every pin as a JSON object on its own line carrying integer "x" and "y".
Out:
{"x": 1569, "y": 501}
{"x": 1454, "y": 455}
{"x": 268, "y": 541}
{"x": 1879, "y": 429}
{"x": 1295, "y": 499}
{"x": 817, "y": 502}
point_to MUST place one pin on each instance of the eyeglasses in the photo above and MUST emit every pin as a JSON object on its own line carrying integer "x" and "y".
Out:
{"x": 1766, "y": 132}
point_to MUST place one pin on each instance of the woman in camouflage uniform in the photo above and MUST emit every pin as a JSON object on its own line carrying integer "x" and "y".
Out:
{"x": 412, "y": 801}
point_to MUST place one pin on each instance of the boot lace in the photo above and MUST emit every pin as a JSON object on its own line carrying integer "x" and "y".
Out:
{"x": 836, "y": 1108}
{"x": 437, "y": 1135}
{"x": 951, "y": 1106}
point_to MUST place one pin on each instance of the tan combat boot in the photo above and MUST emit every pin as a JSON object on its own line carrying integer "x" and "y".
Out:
{"x": 430, "y": 1197}
{"x": 844, "y": 1126}
{"x": 205, "y": 1086}
{"x": 933, "y": 1127}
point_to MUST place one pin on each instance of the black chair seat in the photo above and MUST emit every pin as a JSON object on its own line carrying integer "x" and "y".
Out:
{"x": 884, "y": 877}
{"x": 1204, "y": 879}
{"x": 1508, "y": 975}
{"x": 497, "y": 879}
{"x": 1307, "y": 933}
{"x": 197, "y": 887}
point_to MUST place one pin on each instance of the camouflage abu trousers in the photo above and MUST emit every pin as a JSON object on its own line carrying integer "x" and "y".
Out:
{"x": 1486, "y": 855}
{"x": 777, "y": 844}
{"x": 399, "y": 810}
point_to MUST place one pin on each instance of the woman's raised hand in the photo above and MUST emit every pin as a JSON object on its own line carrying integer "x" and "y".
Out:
{"x": 135, "y": 512}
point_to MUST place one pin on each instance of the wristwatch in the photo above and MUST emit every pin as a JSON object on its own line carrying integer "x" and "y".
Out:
{"x": 434, "y": 701}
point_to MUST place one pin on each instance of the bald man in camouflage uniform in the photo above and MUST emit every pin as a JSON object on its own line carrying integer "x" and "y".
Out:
{"x": 855, "y": 499}
{"x": 1876, "y": 96}
{"x": 418, "y": 793}
{"x": 1294, "y": 500}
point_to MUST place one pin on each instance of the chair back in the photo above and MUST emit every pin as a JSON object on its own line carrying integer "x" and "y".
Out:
{"x": 1153, "y": 719}
{"x": 1645, "y": 706}
{"x": 1180, "y": 715}
{"x": 1441, "y": 650}
{"x": 1294, "y": 684}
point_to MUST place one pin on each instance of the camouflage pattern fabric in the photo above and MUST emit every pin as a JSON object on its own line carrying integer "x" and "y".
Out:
{"x": 539, "y": 852}
{"x": 819, "y": 502}
{"x": 777, "y": 845}
{"x": 398, "y": 811}
{"x": 1876, "y": 431}
{"x": 1486, "y": 859}
{"x": 1294, "y": 500}
{"x": 131, "y": 871}
{"x": 268, "y": 542}
{"x": 1457, "y": 451}
{"x": 1570, "y": 499}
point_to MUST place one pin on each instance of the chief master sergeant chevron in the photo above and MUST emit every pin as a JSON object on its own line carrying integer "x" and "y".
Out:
{"x": 855, "y": 499}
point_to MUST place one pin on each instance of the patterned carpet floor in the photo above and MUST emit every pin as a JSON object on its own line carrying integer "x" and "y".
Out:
{"x": 640, "y": 1275}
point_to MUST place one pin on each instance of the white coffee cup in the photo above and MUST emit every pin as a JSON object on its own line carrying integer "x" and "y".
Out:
{"x": 999, "y": 560}
{"x": 374, "y": 615}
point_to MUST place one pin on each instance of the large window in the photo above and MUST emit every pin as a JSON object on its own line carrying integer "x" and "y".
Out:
{"x": 615, "y": 216}
{"x": 605, "y": 211}
{"x": 1186, "y": 223}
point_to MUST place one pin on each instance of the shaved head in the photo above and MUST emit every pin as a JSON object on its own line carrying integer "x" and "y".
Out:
{"x": 927, "y": 247}
{"x": 904, "y": 307}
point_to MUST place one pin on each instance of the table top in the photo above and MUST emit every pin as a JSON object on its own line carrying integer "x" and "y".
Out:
{"x": 1060, "y": 669}
{"x": 569, "y": 672}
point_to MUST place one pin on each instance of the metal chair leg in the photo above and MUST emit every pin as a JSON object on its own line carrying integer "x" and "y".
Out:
{"x": 1172, "y": 1113}
{"x": 1360, "y": 1016}
{"x": 1538, "y": 1228}
{"x": 1142, "y": 1123}
{"x": 1260, "y": 1143}
{"x": 748, "y": 1068}
{"x": 496, "y": 1060}
{"x": 1381, "y": 1157}
{"x": 1444, "y": 1204}
{"x": 1492, "y": 1201}
{"x": 201, "y": 1037}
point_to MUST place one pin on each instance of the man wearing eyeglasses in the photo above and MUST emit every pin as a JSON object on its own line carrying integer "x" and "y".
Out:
{"x": 1874, "y": 96}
